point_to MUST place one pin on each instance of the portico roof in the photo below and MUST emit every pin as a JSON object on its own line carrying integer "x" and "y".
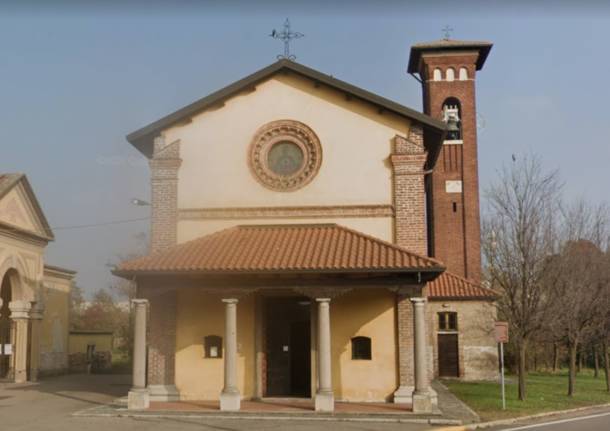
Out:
{"x": 283, "y": 249}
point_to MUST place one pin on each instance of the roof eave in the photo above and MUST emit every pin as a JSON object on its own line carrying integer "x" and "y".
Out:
{"x": 431, "y": 271}
{"x": 416, "y": 51}
{"x": 143, "y": 137}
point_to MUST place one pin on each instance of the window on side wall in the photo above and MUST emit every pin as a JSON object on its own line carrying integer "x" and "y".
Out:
{"x": 447, "y": 321}
{"x": 361, "y": 348}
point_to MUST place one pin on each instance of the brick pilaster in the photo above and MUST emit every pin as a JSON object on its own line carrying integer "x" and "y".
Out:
{"x": 161, "y": 335}
{"x": 408, "y": 160}
{"x": 404, "y": 316}
{"x": 164, "y": 168}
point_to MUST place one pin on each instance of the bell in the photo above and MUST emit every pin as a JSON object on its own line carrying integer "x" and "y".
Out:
{"x": 453, "y": 129}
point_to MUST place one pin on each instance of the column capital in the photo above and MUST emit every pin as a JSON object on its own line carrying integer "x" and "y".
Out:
{"x": 139, "y": 302}
{"x": 418, "y": 301}
{"x": 19, "y": 309}
{"x": 230, "y": 300}
{"x": 37, "y": 311}
{"x": 323, "y": 300}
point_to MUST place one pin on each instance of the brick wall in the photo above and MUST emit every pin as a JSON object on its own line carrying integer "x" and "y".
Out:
{"x": 477, "y": 349}
{"x": 164, "y": 168}
{"x": 455, "y": 233}
{"x": 161, "y": 334}
{"x": 408, "y": 160}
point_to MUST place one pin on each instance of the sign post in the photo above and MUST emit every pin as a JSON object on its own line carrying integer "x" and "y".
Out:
{"x": 501, "y": 335}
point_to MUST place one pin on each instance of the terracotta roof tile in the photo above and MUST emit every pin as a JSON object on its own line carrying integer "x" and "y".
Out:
{"x": 452, "y": 286}
{"x": 282, "y": 248}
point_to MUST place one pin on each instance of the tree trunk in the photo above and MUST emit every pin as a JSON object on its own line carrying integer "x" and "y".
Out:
{"x": 595, "y": 362}
{"x": 606, "y": 364}
{"x": 522, "y": 363}
{"x": 573, "y": 348}
{"x": 555, "y": 357}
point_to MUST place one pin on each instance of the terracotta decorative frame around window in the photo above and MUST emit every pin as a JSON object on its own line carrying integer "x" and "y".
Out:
{"x": 294, "y": 136}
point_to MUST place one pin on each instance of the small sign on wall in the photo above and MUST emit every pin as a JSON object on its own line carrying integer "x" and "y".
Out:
{"x": 453, "y": 186}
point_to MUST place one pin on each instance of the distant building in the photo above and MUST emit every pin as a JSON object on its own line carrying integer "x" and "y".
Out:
{"x": 310, "y": 238}
{"x": 34, "y": 297}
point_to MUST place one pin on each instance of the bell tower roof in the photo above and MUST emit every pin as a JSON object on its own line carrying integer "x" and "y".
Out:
{"x": 448, "y": 45}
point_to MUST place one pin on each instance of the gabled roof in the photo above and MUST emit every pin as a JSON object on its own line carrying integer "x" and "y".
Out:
{"x": 282, "y": 249}
{"x": 448, "y": 45}
{"x": 10, "y": 181}
{"x": 449, "y": 286}
{"x": 143, "y": 138}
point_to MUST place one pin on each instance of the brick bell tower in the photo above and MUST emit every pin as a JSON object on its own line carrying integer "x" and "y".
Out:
{"x": 447, "y": 70}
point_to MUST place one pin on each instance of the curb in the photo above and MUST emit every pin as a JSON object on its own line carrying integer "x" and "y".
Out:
{"x": 267, "y": 417}
{"x": 511, "y": 421}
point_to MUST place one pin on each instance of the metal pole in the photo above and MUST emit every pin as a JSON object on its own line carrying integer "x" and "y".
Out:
{"x": 502, "y": 375}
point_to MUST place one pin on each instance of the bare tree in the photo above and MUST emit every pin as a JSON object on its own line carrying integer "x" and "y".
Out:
{"x": 518, "y": 237}
{"x": 579, "y": 289}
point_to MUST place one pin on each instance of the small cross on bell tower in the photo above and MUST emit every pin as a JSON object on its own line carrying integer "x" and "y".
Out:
{"x": 447, "y": 32}
{"x": 286, "y": 35}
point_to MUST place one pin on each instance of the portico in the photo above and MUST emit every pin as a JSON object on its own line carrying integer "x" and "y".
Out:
{"x": 339, "y": 303}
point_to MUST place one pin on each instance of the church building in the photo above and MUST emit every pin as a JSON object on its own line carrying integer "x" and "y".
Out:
{"x": 312, "y": 239}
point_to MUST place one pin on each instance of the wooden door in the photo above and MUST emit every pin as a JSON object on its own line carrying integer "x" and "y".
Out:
{"x": 448, "y": 357}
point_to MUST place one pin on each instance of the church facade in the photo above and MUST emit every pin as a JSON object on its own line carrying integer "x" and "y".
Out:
{"x": 312, "y": 239}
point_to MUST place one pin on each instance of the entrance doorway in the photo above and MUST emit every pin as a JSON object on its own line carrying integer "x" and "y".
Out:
{"x": 448, "y": 357}
{"x": 287, "y": 347}
{"x": 6, "y": 329}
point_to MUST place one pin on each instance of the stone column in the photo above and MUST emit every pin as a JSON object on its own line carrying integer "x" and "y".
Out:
{"x": 324, "y": 401}
{"x": 422, "y": 396}
{"x": 20, "y": 313}
{"x": 36, "y": 315}
{"x": 139, "y": 397}
{"x": 230, "y": 398}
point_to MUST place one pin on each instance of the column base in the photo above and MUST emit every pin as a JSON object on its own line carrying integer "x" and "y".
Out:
{"x": 138, "y": 399}
{"x": 21, "y": 376}
{"x": 34, "y": 375}
{"x": 404, "y": 395}
{"x": 230, "y": 401}
{"x": 164, "y": 393}
{"x": 423, "y": 402}
{"x": 325, "y": 402}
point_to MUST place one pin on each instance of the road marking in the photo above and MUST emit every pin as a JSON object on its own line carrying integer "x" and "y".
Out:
{"x": 544, "y": 424}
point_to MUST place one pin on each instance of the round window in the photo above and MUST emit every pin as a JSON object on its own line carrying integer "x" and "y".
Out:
{"x": 285, "y": 158}
{"x": 285, "y": 155}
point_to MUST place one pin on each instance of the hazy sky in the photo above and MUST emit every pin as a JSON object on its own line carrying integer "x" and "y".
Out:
{"x": 74, "y": 81}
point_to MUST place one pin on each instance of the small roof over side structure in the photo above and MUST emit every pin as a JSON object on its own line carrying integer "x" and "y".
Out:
{"x": 434, "y": 129}
{"x": 448, "y": 45}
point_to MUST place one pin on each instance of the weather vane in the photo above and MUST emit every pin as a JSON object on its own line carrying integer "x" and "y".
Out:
{"x": 286, "y": 36}
{"x": 447, "y": 30}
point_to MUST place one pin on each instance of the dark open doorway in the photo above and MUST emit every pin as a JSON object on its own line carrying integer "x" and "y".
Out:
{"x": 287, "y": 347}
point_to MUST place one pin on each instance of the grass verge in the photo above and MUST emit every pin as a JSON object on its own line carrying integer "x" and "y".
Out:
{"x": 545, "y": 392}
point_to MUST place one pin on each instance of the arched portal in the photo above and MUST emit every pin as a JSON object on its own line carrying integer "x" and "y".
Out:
{"x": 14, "y": 328}
{"x": 6, "y": 326}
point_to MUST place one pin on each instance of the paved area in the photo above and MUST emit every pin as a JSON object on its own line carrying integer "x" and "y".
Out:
{"x": 50, "y": 404}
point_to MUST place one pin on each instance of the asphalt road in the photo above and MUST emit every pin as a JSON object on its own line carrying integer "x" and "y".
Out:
{"x": 591, "y": 421}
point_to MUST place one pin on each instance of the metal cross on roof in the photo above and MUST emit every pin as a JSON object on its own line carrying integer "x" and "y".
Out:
{"x": 286, "y": 36}
{"x": 447, "y": 30}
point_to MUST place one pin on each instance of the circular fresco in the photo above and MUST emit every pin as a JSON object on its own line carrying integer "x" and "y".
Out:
{"x": 285, "y": 155}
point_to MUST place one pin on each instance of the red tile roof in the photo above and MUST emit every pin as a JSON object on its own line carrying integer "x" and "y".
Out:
{"x": 451, "y": 286}
{"x": 326, "y": 248}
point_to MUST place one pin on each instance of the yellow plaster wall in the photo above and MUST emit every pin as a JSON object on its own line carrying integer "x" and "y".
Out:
{"x": 200, "y": 314}
{"x": 379, "y": 227}
{"x": 356, "y": 143}
{"x": 55, "y": 323}
{"x": 368, "y": 313}
{"x": 78, "y": 342}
